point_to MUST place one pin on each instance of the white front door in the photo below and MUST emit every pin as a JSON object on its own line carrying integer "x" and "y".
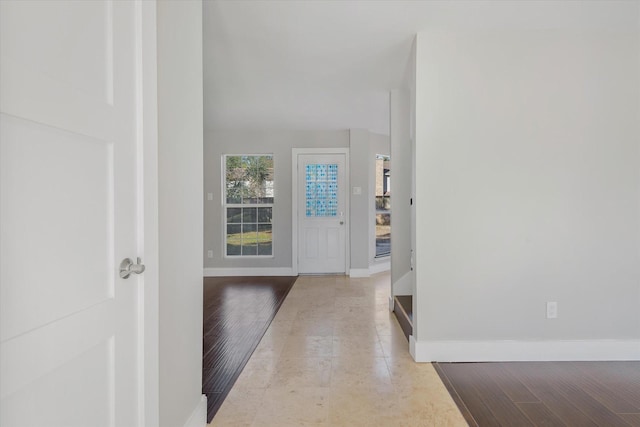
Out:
{"x": 322, "y": 213}
{"x": 69, "y": 205}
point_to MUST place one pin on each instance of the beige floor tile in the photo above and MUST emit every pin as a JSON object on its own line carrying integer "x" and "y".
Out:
{"x": 315, "y": 283}
{"x": 395, "y": 346}
{"x": 302, "y": 372}
{"x": 256, "y": 374}
{"x": 279, "y": 327}
{"x": 315, "y": 313}
{"x": 346, "y": 312}
{"x": 315, "y": 297}
{"x": 301, "y": 346}
{"x": 354, "y": 302}
{"x": 356, "y": 346}
{"x": 350, "y": 291}
{"x": 293, "y": 407}
{"x": 360, "y": 406}
{"x": 382, "y": 305}
{"x": 239, "y": 408}
{"x": 383, "y": 315}
{"x": 430, "y": 406}
{"x": 318, "y": 308}
{"x": 406, "y": 374}
{"x": 319, "y": 326}
{"x": 271, "y": 345}
{"x": 384, "y": 327}
{"x": 366, "y": 372}
{"x": 291, "y": 300}
{"x": 357, "y": 328}
{"x": 288, "y": 312}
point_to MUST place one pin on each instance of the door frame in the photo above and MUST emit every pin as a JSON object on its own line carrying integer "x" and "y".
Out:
{"x": 147, "y": 213}
{"x": 295, "y": 152}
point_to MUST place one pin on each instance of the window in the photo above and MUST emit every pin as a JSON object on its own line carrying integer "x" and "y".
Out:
{"x": 383, "y": 205}
{"x": 248, "y": 205}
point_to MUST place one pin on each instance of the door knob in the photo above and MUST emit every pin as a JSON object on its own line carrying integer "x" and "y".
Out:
{"x": 127, "y": 267}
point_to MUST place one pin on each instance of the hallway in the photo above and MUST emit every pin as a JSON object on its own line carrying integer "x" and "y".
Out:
{"x": 334, "y": 355}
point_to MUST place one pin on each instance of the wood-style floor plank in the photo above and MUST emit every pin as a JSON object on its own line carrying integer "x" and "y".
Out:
{"x": 540, "y": 381}
{"x": 456, "y": 397}
{"x": 501, "y": 406}
{"x": 237, "y": 313}
{"x": 540, "y": 414}
{"x": 546, "y": 393}
{"x": 467, "y": 391}
{"x": 621, "y": 377}
{"x": 512, "y": 387}
{"x": 614, "y": 400}
{"x": 571, "y": 387}
{"x": 632, "y": 419}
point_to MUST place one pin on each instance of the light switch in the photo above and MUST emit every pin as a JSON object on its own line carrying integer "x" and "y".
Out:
{"x": 552, "y": 309}
{"x": 357, "y": 191}
{"x": 209, "y": 196}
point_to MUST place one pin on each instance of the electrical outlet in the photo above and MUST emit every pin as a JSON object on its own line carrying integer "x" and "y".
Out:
{"x": 210, "y": 254}
{"x": 552, "y": 309}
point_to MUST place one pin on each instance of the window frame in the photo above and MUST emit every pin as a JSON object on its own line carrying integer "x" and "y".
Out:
{"x": 386, "y": 178}
{"x": 226, "y": 206}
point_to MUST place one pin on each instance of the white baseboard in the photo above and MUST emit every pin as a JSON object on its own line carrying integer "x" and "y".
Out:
{"x": 391, "y": 304}
{"x": 276, "y": 271}
{"x": 404, "y": 285}
{"x": 412, "y": 348}
{"x": 375, "y": 268}
{"x": 504, "y": 351}
{"x": 379, "y": 267}
{"x": 359, "y": 272}
{"x": 198, "y": 417}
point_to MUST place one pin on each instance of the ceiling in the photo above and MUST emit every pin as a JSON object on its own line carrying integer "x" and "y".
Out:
{"x": 330, "y": 64}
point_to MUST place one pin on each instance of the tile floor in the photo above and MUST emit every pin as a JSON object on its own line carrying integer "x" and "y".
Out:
{"x": 335, "y": 356}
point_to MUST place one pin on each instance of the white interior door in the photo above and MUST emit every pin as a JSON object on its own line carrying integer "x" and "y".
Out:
{"x": 69, "y": 197}
{"x": 322, "y": 213}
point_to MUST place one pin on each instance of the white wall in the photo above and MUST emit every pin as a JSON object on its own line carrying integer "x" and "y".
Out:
{"x": 401, "y": 174}
{"x": 180, "y": 211}
{"x": 364, "y": 146}
{"x": 359, "y": 211}
{"x": 528, "y": 190}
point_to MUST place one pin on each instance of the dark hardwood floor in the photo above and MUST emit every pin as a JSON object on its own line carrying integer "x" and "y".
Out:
{"x": 237, "y": 313}
{"x": 545, "y": 393}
